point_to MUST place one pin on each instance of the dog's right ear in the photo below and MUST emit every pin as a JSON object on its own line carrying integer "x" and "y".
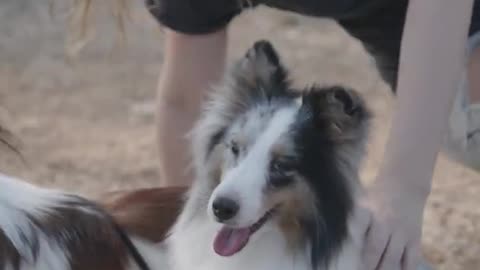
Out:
{"x": 260, "y": 71}
{"x": 341, "y": 111}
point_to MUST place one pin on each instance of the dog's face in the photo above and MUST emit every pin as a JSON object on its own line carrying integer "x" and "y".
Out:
{"x": 278, "y": 157}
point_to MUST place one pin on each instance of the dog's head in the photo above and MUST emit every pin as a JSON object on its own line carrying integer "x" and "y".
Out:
{"x": 274, "y": 156}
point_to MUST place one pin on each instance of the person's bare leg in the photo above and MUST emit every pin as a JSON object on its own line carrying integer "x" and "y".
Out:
{"x": 192, "y": 63}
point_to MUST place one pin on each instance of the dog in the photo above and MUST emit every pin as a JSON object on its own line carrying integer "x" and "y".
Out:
{"x": 52, "y": 230}
{"x": 277, "y": 173}
{"x": 276, "y": 180}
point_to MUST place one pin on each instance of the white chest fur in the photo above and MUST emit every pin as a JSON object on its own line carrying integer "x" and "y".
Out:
{"x": 191, "y": 247}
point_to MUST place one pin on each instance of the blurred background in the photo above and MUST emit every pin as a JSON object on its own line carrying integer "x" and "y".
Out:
{"x": 87, "y": 124}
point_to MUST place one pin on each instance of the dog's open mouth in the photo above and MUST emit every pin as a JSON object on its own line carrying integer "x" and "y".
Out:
{"x": 230, "y": 240}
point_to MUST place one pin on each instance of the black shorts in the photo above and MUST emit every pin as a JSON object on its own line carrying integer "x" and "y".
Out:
{"x": 378, "y": 24}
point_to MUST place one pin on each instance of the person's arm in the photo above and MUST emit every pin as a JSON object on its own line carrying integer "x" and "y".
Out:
{"x": 390, "y": 218}
{"x": 431, "y": 60}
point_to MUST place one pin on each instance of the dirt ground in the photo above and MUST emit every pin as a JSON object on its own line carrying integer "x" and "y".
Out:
{"x": 88, "y": 126}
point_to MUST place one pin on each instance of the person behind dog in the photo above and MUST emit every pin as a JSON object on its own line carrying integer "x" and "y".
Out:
{"x": 432, "y": 69}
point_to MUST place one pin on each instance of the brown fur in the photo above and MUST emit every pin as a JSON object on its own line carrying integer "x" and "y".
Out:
{"x": 148, "y": 213}
{"x": 88, "y": 234}
{"x": 101, "y": 247}
{"x": 293, "y": 203}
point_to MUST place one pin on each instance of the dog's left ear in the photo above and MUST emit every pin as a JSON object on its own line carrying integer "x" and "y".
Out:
{"x": 256, "y": 77}
{"x": 261, "y": 71}
{"x": 339, "y": 110}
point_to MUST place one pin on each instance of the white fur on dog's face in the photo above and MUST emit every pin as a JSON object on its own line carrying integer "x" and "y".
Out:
{"x": 246, "y": 173}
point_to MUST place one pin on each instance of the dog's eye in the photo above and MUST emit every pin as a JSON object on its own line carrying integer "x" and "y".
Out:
{"x": 234, "y": 148}
{"x": 281, "y": 172}
{"x": 283, "y": 165}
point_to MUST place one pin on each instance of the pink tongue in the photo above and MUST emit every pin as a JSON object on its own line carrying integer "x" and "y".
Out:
{"x": 230, "y": 241}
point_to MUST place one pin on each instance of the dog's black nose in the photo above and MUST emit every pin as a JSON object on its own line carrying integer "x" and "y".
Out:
{"x": 224, "y": 208}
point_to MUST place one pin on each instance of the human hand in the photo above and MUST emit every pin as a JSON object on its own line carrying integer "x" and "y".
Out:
{"x": 388, "y": 226}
